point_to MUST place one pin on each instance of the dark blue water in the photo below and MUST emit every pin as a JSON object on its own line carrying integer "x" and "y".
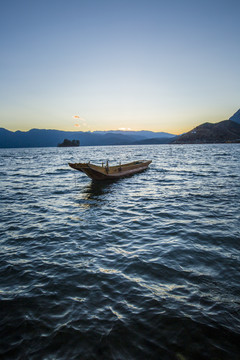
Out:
{"x": 144, "y": 268}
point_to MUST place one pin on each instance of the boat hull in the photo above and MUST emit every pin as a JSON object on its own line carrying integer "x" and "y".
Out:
{"x": 111, "y": 173}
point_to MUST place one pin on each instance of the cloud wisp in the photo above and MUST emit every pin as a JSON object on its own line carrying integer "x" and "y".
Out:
{"x": 81, "y": 121}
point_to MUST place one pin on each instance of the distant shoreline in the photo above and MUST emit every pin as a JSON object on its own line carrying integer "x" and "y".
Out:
{"x": 78, "y": 147}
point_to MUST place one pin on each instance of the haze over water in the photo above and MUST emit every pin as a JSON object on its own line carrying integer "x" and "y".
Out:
{"x": 147, "y": 267}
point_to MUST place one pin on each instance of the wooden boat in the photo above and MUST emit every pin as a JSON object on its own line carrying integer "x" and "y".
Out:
{"x": 96, "y": 172}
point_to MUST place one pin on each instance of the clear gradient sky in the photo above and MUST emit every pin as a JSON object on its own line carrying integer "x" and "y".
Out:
{"x": 146, "y": 64}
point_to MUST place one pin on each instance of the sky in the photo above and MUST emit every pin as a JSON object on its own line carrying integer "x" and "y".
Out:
{"x": 166, "y": 65}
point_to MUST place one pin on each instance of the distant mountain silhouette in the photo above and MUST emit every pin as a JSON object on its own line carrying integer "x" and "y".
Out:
{"x": 141, "y": 135}
{"x": 51, "y": 138}
{"x": 236, "y": 117}
{"x": 221, "y": 132}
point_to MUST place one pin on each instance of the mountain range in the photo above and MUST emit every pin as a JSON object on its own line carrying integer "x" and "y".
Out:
{"x": 221, "y": 132}
{"x": 51, "y": 138}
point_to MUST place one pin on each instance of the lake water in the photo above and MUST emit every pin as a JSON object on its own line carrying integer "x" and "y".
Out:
{"x": 147, "y": 267}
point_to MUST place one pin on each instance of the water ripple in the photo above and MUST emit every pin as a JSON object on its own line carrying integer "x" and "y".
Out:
{"x": 143, "y": 268}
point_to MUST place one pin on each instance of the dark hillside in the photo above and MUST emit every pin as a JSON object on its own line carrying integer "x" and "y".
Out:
{"x": 224, "y": 131}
